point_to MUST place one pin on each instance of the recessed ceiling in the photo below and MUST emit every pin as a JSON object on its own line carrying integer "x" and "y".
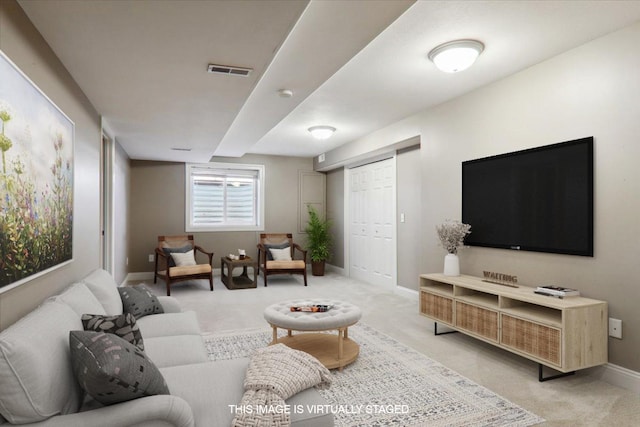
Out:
{"x": 354, "y": 65}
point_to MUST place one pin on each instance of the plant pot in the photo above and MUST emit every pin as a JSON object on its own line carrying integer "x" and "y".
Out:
{"x": 451, "y": 265}
{"x": 317, "y": 268}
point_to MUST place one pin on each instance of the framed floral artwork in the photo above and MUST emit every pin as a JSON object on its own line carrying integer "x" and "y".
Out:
{"x": 36, "y": 180}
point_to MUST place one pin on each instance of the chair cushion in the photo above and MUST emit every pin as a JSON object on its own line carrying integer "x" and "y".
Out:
{"x": 283, "y": 254}
{"x": 105, "y": 288}
{"x": 111, "y": 370}
{"x": 269, "y": 246}
{"x": 286, "y": 265}
{"x": 168, "y": 250}
{"x": 35, "y": 371}
{"x": 187, "y": 258}
{"x": 123, "y": 325}
{"x": 139, "y": 301}
{"x": 189, "y": 270}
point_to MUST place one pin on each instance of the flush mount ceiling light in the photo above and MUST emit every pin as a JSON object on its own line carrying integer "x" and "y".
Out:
{"x": 285, "y": 93}
{"x": 321, "y": 132}
{"x": 457, "y": 55}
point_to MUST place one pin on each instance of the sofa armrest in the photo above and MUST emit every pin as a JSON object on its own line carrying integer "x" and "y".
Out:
{"x": 152, "y": 410}
{"x": 169, "y": 304}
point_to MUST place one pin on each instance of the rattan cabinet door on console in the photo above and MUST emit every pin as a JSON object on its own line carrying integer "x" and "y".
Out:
{"x": 534, "y": 339}
{"x": 565, "y": 334}
{"x": 437, "y": 307}
{"x": 477, "y": 320}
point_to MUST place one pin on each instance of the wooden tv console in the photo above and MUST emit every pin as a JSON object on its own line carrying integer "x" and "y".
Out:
{"x": 564, "y": 334}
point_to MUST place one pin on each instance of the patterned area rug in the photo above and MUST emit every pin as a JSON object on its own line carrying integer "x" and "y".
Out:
{"x": 391, "y": 384}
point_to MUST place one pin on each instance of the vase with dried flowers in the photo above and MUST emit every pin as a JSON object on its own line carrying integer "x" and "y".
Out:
{"x": 452, "y": 234}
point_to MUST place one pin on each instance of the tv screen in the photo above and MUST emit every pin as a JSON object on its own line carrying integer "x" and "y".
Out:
{"x": 539, "y": 199}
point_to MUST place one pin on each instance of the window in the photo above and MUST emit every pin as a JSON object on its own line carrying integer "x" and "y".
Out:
{"x": 224, "y": 197}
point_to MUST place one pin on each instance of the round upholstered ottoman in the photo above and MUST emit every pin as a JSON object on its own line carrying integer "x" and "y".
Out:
{"x": 333, "y": 352}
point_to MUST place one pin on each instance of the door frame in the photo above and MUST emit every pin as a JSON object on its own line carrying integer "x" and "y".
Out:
{"x": 347, "y": 213}
{"x": 107, "y": 158}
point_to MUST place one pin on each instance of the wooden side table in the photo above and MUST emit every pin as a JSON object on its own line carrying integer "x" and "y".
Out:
{"x": 243, "y": 281}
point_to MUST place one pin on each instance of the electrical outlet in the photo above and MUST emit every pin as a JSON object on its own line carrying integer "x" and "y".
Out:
{"x": 150, "y": 257}
{"x": 127, "y": 261}
{"x": 615, "y": 328}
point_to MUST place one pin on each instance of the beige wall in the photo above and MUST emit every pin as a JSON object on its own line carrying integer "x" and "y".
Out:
{"x": 409, "y": 204}
{"x": 157, "y": 207}
{"x": 591, "y": 90}
{"x": 335, "y": 213}
{"x": 21, "y": 42}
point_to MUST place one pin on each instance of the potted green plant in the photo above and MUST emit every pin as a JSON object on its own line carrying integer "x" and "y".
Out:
{"x": 318, "y": 241}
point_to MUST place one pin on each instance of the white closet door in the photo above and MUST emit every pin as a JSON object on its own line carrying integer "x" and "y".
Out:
{"x": 372, "y": 223}
{"x": 359, "y": 223}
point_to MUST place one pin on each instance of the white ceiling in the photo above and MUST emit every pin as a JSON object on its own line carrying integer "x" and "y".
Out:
{"x": 354, "y": 65}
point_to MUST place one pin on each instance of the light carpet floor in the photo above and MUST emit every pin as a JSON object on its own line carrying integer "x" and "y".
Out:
{"x": 579, "y": 400}
{"x": 392, "y": 385}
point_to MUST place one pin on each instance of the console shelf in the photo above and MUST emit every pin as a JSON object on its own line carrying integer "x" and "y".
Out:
{"x": 564, "y": 334}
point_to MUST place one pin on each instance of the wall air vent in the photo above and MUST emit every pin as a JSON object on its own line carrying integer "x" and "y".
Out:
{"x": 180, "y": 149}
{"x": 227, "y": 69}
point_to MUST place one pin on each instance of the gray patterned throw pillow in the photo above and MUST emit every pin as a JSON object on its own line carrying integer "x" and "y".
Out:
{"x": 111, "y": 370}
{"x": 139, "y": 301}
{"x": 123, "y": 325}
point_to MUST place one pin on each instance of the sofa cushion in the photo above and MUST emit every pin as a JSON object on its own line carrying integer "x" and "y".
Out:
{"x": 36, "y": 376}
{"x": 123, "y": 325}
{"x": 175, "y": 350}
{"x": 105, "y": 288}
{"x": 80, "y": 299}
{"x": 111, "y": 370}
{"x": 169, "y": 304}
{"x": 168, "y": 324}
{"x": 139, "y": 301}
{"x": 213, "y": 405}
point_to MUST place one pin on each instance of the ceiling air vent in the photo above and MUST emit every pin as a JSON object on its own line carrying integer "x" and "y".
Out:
{"x": 227, "y": 69}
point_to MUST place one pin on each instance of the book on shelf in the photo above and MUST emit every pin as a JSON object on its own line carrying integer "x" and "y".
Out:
{"x": 557, "y": 291}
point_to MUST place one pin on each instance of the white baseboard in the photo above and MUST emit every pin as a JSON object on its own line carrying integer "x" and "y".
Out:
{"x": 618, "y": 376}
{"x": 406, "y": 292}
{"x": 334, "y": 269}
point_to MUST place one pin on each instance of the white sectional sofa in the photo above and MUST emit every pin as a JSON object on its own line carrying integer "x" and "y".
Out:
{"x": 38, "y": 386}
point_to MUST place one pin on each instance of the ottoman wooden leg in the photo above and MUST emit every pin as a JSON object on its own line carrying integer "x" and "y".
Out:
{"x": 341, "y": 347}
{"x": 275, "y": 335}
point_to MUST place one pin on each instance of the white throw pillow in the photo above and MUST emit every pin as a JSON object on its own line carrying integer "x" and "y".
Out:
{"x": 184, "y": 259}
{"x": 281, "y": 254}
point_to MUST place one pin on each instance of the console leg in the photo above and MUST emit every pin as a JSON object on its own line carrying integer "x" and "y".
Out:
{"x": 435, "y": 330}
{"x": 542, "y": 378}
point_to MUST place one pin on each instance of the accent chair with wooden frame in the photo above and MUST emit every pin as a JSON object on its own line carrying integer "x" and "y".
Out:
{"x": 166, "y": 269}
{"x": 269, "y": 266}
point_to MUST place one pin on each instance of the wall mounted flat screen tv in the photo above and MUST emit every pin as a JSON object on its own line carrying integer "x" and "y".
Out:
{"x": 539, "y": 199}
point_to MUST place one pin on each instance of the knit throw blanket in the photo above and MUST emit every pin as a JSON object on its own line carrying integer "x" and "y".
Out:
{"x": 276, "y": 373}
